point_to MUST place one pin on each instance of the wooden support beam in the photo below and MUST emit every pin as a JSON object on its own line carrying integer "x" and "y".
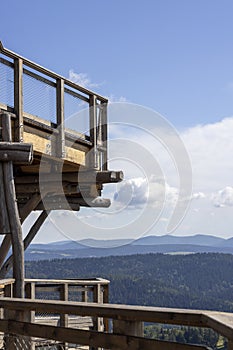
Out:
{"x": 72, "y": 203}
{"x": 28, "y": 239}
{"x": 12, "y": 209}
{"x": 4, "y": 221}
{"x": 4, "y": 249}
{"x": 29, "y": 206}
{"x": 18, "y": 153}
{"x": 55, "y": 188}
{"x": 86, "y": 177}
{"x": 24, "y": 212}
{"x": 91, "y": 338}
{"x": 57, "y": 205}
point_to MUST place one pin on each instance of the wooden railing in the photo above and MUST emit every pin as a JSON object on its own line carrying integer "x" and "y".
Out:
{"x": 123, "y": 326}
{"x": 23, "y": 68}
{"x": 127, "y": 330}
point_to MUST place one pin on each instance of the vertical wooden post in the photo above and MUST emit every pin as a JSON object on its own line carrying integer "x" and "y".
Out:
{"x": 8, "y": 291}
{"x": 18, "y": 99}
{"x": 13, "y": 215}
{"x": 30, "y": 293}
{"x": 93, "y": 155}
{"x": 60, "y": 119}
{"x": 84, "y": 294}
{"x": 105, "y": 135}
{"x": 64, "y": 290}
{"x": 106, "y": 301}
{"x": 97, "y": 298}
{"x": 29, "y": 316}
{"x": 64, "y": 295}
{"x": 4, "y": 222}
{"x": 230, "y": 345}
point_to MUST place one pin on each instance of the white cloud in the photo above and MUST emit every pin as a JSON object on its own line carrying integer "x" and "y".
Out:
{"x": 198, "y": 195}
{"x": 210, "y": 148}
{"x": 112, "y": 99}
{"x": 140, "y": 191}
{"x": 224, "y": 197}
{"x": 82, "y": 79}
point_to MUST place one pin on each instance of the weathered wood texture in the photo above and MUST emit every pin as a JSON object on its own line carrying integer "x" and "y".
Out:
{"x": 91, "y": 338}
{"x": 18, "y": 153}
{"x": 18, "y": 98}
{"x": 30, "y": 236}
{"x": 53, "y": 139}
{"x": 12, "y": 212}
{"x": 129, "y": 316}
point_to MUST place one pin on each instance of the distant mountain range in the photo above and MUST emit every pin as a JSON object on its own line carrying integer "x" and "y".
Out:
{"x": 166, "y": 244}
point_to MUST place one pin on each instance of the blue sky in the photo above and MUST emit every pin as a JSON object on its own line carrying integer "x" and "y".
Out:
{"x": 174, "y": 57}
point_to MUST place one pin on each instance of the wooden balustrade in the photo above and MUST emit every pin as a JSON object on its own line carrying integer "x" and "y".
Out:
{"x": 126, "y": 331}
{"x": 23, "y": 121}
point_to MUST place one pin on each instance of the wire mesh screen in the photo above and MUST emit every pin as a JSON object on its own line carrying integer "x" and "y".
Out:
{"x": 84, "y": 294}
{"x": 76, "y": 113}
{"x": 47, "y": 295}
{"x": 10, "y": 341}
{"x": 6, "y": 84}
{"x": 54, "y": 293}
{"x": 39, "y": 96}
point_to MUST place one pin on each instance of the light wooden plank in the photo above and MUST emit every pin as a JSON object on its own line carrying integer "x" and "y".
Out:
{"x": 93, "y": 339}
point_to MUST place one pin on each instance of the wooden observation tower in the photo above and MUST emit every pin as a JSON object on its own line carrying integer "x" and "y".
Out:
{"x": 53, "y": 152}
{"x": 53, "y": 156}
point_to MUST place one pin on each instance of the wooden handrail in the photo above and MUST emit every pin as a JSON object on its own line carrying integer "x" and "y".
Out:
{"x": 50, "y": 73}
{"x": 97, "y": 158}
{"x": 221, "y": 322}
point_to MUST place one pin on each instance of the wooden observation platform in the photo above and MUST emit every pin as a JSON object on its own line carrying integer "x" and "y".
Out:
{"x": 53, "y": 155}
{"x": 53, "y": 152}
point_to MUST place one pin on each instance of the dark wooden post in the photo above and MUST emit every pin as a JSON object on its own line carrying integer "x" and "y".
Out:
{"x": 13, "y": 215}
{"x": 31, "y": 234}
{"x": 4, "y": 222}
{"x": 106, "y": 301}
{"x": 97, "y": 321}
{"x": 64, "y": 295}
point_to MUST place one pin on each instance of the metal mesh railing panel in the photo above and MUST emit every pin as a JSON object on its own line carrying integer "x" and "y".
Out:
{"x": 76, "y": 114}
{"x": 46, "y": 295}
{"x": 39, "y": 97}
{"x": 6, "y": 84}
{"x": 10, "y": 341}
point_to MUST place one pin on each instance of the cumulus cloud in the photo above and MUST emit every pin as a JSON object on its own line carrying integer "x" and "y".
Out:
{"x": 137, "y": 192}
{"x": 210, "y": 148}
{"x": 224, "y": 197}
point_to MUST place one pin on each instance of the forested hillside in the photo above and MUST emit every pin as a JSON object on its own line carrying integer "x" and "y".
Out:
{"x": 198, "y": 281}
